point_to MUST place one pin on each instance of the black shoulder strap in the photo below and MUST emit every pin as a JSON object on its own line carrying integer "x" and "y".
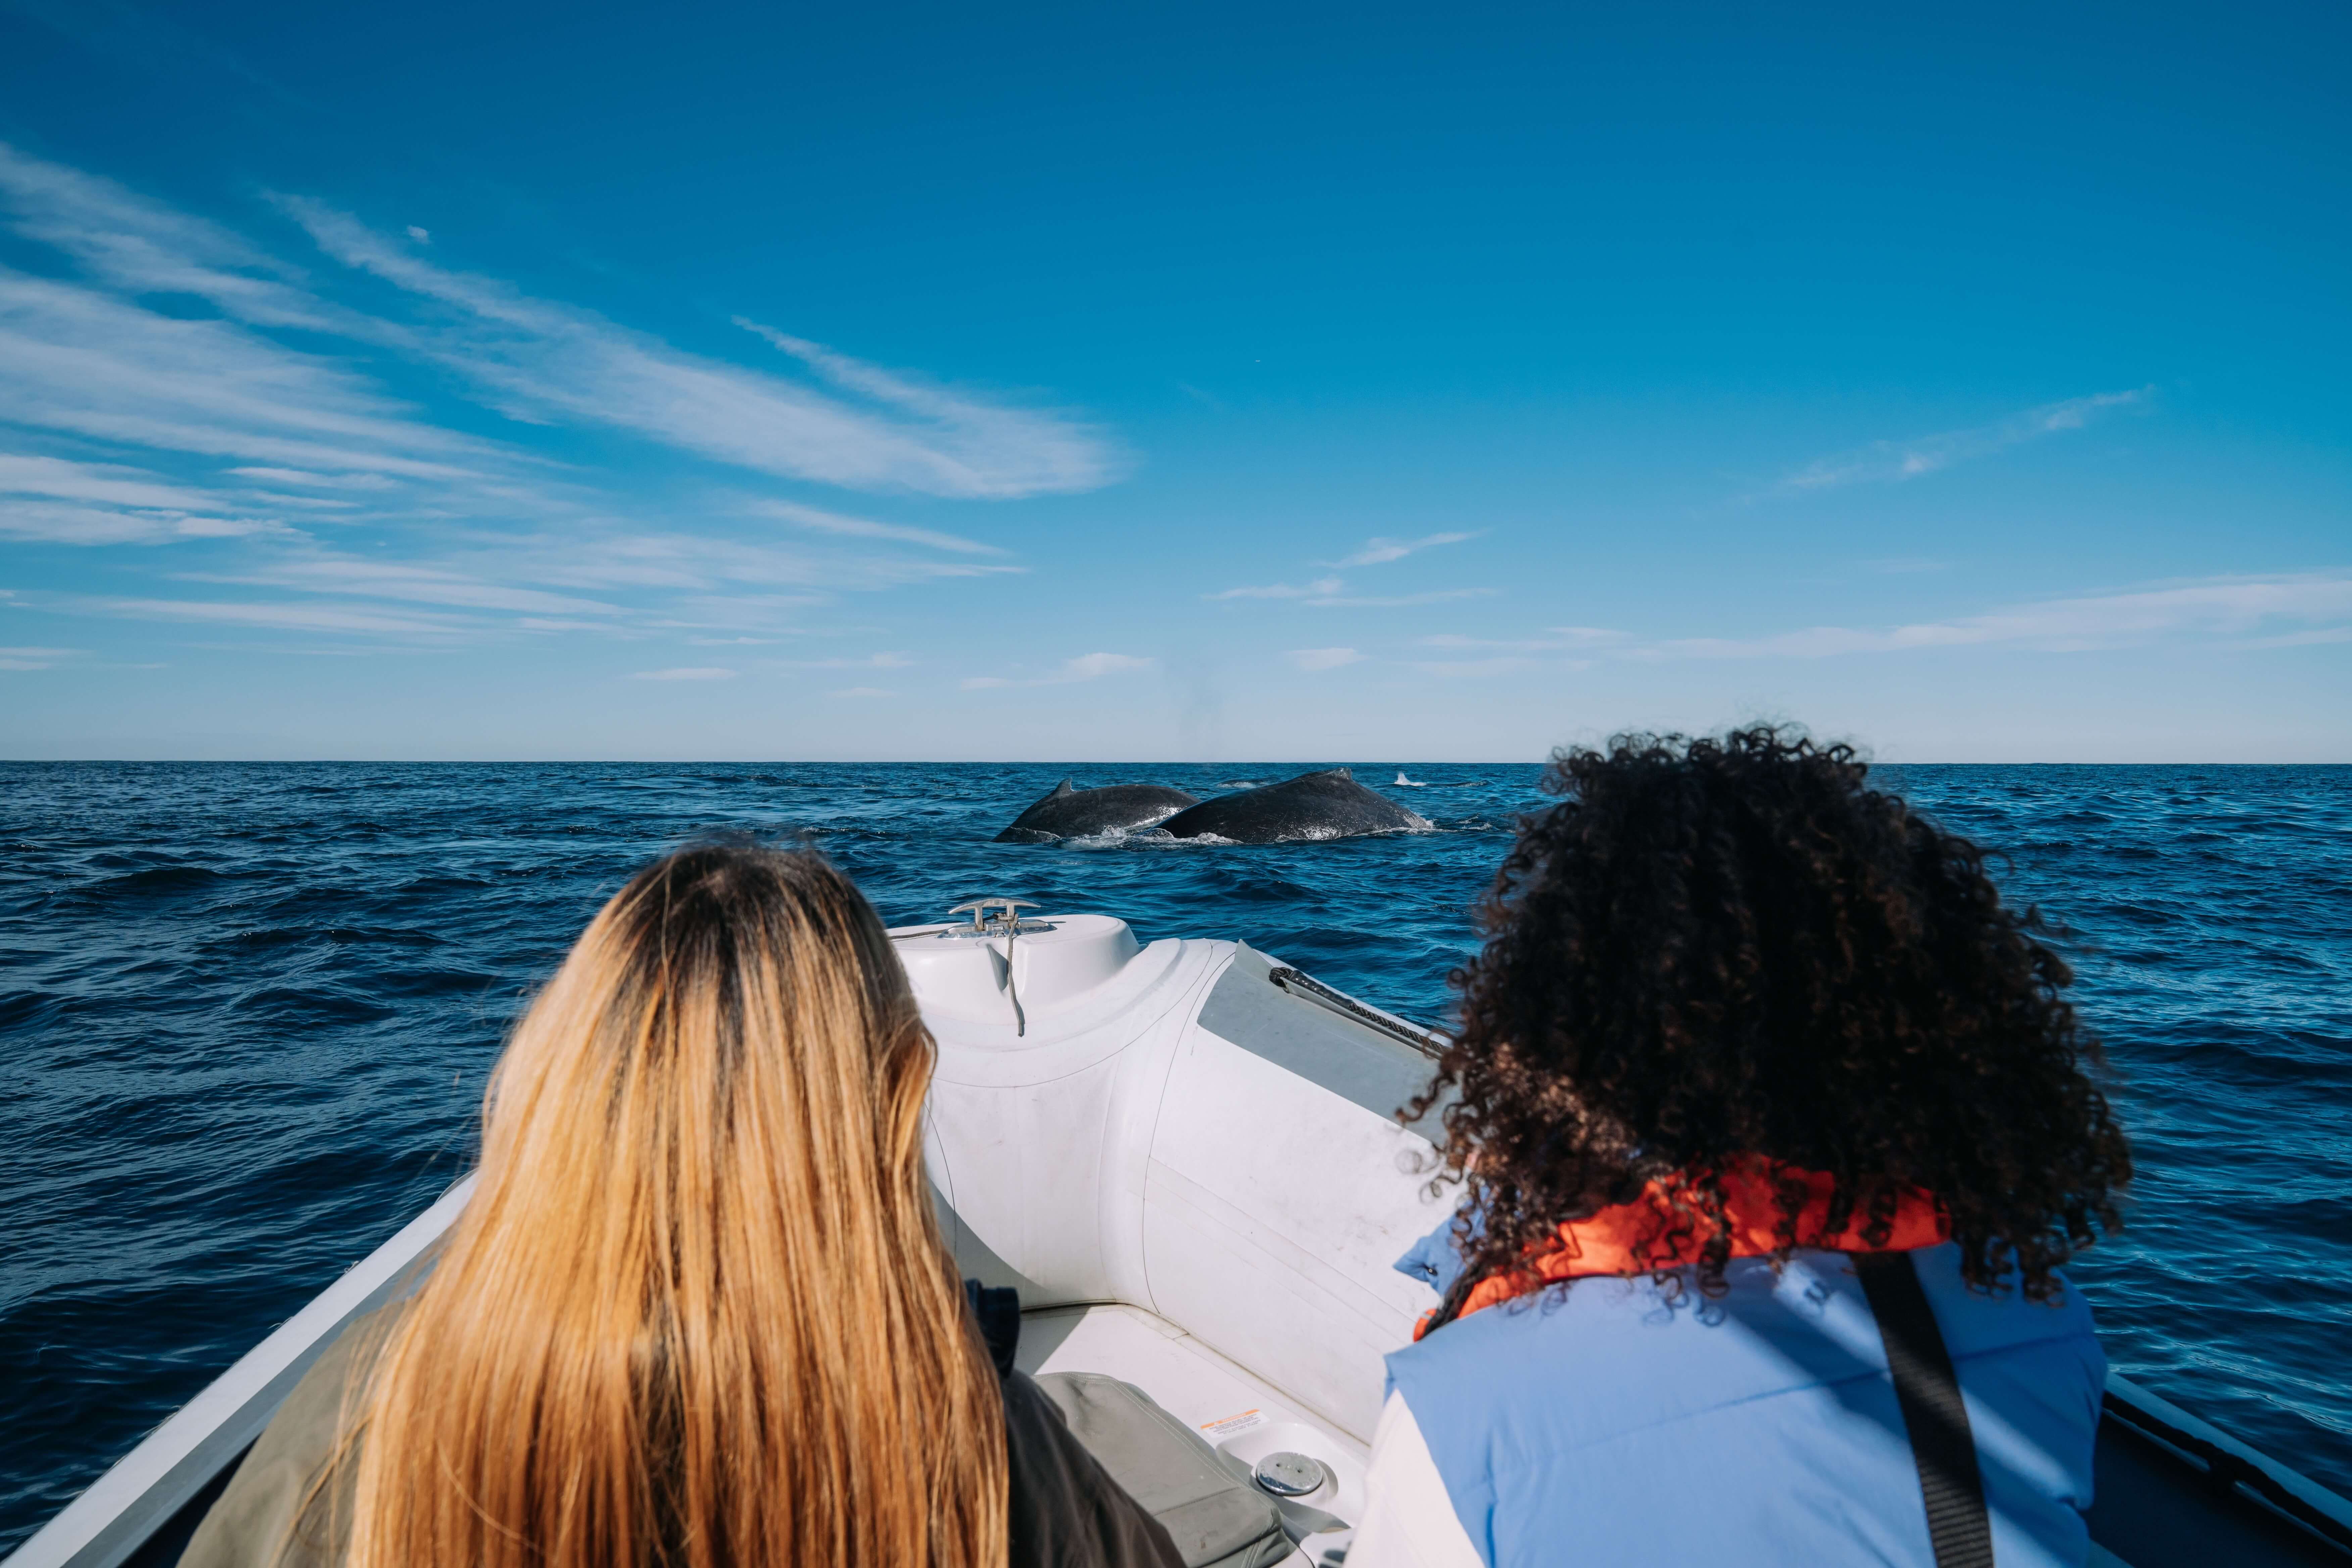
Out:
{"x": 997, "y": 1313}
{"x": 1928, "y": 1393}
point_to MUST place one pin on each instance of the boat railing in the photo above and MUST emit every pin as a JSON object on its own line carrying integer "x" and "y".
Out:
{"x": 1428, "y": 1042}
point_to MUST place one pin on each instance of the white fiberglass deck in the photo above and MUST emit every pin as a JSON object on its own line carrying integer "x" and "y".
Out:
{"x": 1233, "y": 1410}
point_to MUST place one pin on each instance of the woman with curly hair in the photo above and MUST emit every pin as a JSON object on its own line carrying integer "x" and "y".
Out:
{"x": 1775, "y": 1126}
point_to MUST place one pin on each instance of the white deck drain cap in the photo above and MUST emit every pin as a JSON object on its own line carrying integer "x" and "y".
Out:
{"x": 1290, "y": 1474}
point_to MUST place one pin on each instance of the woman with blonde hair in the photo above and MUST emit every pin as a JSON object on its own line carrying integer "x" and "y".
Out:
{"x": 697, "y": 1310}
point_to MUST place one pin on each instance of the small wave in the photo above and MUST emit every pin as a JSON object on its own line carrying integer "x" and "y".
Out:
{"x": 160, "y": 879}
{"x": 1240, "y": 784}
{"x": 266, "y": 937}
{"x": 1404, "y": 783}
{"x": 22, "y": 1007}
{"x": 434, "y": 982}
{"x": 440, "y": 883}
{"x": 299, "y": 1004}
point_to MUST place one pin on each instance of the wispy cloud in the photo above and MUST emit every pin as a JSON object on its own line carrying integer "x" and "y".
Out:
{"x": 1323, "y": 658}
{"x": 1883, "y": 462}
{"x": 1095, "y": 666}
{"x": 1556, "y": 639}
{"x": 2215, "y": 607}
{"x": 2305, "y": 639}
{"x": 416, "y": 584}
{"x": 274, "y": 460}
{"x": 1397, "y": 601}
{"x": 1320, "y": 588}
{"x": 596, "y": 557}
{"x": 33, "y": 658}
{"x": 143, "y": 246}
{"x": 62, "y": 523}
{"x": 892, "y": 660}
{"x": 1084, "y": 666}
{"x": 1380, "y": 551}
{"x": 2233, "y": 609}
{"x": 864, "y": 691}
{"x": 296, "y": 618}
{"x": 539, "y": 360}
{"x": 113, "y": 484}
{"x": 861, "y": 527}
{"x": 1331, "y": 593}
{"x": 331, "y": 482}
{"x": 689, "y": 672}
{"x": 85, "y": 363}
{"x": 979, "y": 449}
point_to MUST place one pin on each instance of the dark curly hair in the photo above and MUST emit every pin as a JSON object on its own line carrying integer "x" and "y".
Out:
{"x": 1713, "y": 950}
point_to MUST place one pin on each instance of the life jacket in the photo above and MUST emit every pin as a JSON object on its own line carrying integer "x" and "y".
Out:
{"x": 1666, "y": 1228}
{"x": 1595, "y": 1424}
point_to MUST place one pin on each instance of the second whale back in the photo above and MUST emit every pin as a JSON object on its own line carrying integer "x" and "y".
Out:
{"x": 1326, "y": 804}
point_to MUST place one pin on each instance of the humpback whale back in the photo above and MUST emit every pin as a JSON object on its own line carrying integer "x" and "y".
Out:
{"x": 1065, "y": 812}
{"x": 1329, "y": 804}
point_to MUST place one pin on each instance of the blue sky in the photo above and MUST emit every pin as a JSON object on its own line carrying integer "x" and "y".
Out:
{"x": 1256, "y": 383}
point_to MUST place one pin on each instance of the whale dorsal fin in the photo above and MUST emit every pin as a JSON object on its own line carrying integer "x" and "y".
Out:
{"x": 1063, "y": 788}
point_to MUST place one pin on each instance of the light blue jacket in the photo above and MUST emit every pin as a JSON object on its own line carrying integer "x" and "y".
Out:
{"x": 1614, "y": 1423}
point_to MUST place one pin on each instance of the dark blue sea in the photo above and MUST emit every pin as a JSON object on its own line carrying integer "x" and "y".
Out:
{"x": 245, "y": 1012}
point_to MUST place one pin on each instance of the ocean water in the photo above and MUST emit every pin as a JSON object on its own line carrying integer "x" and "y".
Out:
{"x": 245, "y": 1012}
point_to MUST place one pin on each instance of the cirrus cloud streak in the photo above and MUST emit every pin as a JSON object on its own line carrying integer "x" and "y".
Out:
{"x": 2217, "y": 606}
{"x": 150, "y": 394}
{"x": 1886, "y": 462}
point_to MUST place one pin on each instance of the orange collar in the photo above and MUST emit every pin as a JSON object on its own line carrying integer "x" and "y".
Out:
{"x": 1661, "y": 1229}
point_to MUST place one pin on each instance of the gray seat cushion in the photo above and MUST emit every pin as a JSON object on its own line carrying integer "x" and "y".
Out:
{"x": 1208, "y": 1503}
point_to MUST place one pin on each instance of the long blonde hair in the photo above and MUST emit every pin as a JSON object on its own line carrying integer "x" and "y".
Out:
{"x": 697, "y": 1311}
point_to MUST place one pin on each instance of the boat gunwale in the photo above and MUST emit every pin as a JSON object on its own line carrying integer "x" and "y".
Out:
{"x": 2236, "y": 1468}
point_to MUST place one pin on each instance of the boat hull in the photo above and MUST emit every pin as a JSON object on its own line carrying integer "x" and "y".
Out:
{"x": 1187, "y": 1158}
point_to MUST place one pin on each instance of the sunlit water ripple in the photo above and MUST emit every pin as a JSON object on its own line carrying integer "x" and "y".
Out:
{"x": 246, "y": 1011}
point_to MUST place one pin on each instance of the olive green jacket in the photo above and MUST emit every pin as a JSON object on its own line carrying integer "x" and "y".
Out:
{"x": 254, "y": 1524}
{"x": 1064, "y": 1511}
